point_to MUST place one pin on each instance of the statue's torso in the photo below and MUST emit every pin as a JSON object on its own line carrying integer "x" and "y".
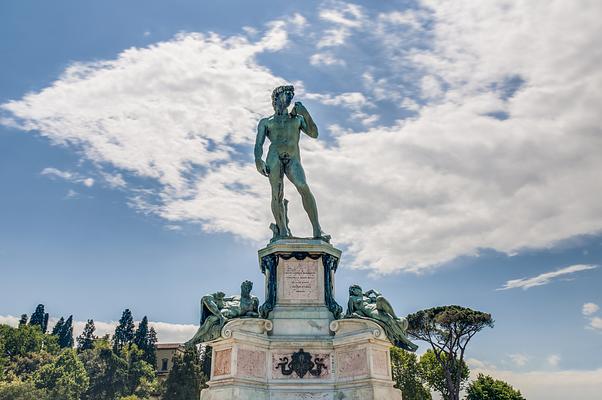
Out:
{"x": 283, "y": 132}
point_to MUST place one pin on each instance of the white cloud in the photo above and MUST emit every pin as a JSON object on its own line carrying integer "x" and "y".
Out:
{"x": 520, "y": 360}
{"x": 114, "y": 180}
{"x": 589, "y": 309}
{"x": 333, "y": 37}
{"x": 408, "y": 18}
{"x": 325, "y": 59}
{"x": 553, "y": 360}
{"x": 298, "y": 20}
{"x": 9, "y": 320}
{"x": 345, "y": 14}
{"x": 345, "y": 17}
{"x": 548, "y": 385}
{"x": 545, "y": 278}
{"x": 353, "y": 100}
{"x": 595, "y": 323}
{"x": 166, "y": 332}
{"x": 485, "y": 166}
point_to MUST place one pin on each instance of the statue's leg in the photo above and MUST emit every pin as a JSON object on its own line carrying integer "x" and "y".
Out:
{"x": 294, "y": 172}
{"x": 201, "y": 334}
{"x": 277, "y": 184}
{"x": 383, "y": 305}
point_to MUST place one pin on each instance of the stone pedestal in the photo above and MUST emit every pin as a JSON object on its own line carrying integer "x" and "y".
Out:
{"x": 300, "y": 348}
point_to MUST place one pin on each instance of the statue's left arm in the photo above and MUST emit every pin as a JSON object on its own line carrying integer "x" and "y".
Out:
{"x": 307, "y": 123}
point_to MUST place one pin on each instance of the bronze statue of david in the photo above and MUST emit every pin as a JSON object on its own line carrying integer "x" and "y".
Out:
{"x": 283, "y": 129}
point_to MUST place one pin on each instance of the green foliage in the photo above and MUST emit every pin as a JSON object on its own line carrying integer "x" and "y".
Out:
{"x": 406, "y": 375}
{"x": 114, "y": 375}
{"x": 85, "y": 341}
{"x": 124, "y": 332}
{"x": 26, "y": 339}
{"x": 108, "y": 373}
{"x": 432, "y": 371}
{"x": 448, "y": 329}
{"x": 39, "y": 318}
{"x": 64, "y": 379}
{"x": 18, "y": 390}
{"x": 145, "y": 340}
{"x": 142, "y": 380}
{"x": 186, "y": 378}
{"x": 23, "y": 367}
{"x": 487, "y": 388}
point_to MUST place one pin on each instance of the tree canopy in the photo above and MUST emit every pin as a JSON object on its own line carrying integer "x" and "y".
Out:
{"x": 448, "y": 329}
{"x": 45, "y": 366}
{"x": 487, "y": 388}
{"x": 406, "y": 375}
{"x": 186, "y": 377}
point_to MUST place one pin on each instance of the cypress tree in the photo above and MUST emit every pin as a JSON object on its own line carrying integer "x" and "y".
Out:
{"x": 23, "y": 320}
{"x": 124, "y": 332}
{"x": 85, "y": 341}
{"x": 56, "y": 331}
{"x": 66, "y": 333}
{"x": 141, "y": 335}
{"x": 39, "y": 318}
{"x": 150, "y": 356}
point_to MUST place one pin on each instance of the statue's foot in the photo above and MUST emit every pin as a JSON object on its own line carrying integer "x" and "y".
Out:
{"x": 322, "y": 236}
{"x": 278, "y": 234}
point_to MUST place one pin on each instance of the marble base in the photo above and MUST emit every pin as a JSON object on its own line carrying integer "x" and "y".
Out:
{"x": 245, "y": 363}
{"x": 345, "y": 358}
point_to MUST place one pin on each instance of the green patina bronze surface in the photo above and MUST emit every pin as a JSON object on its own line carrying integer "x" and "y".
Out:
{"x": 372, "y": 305}
{"x": 283, "y": 130}
{"x": 217, "y": 309}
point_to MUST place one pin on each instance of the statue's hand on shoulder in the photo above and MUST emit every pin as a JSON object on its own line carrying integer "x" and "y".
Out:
{"x": 299, "y": 108}
{"x": 262, "y": 167}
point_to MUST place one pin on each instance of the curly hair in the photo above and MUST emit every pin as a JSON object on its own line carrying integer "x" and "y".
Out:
{"x": 279, "y": 90}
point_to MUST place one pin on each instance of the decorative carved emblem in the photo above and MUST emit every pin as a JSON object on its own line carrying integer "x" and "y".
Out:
{"x": 301, "y": 363}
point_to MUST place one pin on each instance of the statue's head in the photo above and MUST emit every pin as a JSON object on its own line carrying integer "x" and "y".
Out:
{"x": 355, "y": 290}
{"x": 282, "y": 97}
{"x": 246, "y": 287}
{"x": 219, "y": 295}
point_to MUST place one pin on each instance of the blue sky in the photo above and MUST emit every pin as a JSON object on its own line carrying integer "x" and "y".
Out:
{"x": 458, "y": 162}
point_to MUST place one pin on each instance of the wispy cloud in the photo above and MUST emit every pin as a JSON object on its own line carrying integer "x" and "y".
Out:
{"x": 545, "y": 278}
{"x": 520, "y": 360}
{"x": 68, "y": 176}
{"x": 325, "y": 59}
